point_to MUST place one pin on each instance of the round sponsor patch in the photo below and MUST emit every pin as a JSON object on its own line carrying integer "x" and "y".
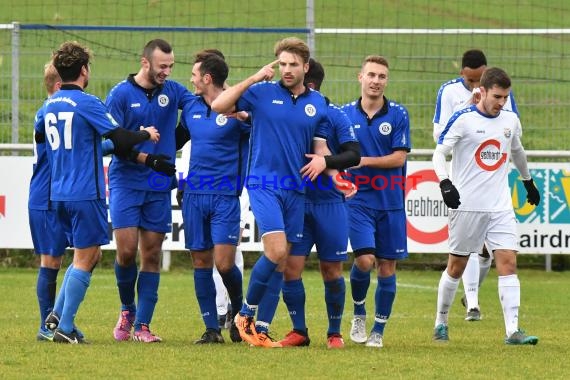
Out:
{"x": 221, "y": 120}
{"x": 489, "y": 155}
{"x": 163, "y": 100}
{"x": 385, "y": 128}
{"x": 310, "y": 110}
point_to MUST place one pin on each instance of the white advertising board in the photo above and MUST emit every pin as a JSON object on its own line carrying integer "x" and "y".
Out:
{"x": 542, "y": 229}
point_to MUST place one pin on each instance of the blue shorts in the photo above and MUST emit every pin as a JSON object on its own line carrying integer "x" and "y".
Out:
{"x": 84, "y": 222}
{"x": 48, "y": 235}
{"x": 150, "y": 210}
{"x": 278, "y": 210}
{"x": 326, "y": 226}
{"x": 210, "y": 219}
{"x": 382, "y": 230}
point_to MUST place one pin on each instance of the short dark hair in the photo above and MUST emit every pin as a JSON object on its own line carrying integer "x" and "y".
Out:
{"x": 202, "y": 54}
{"x": 315, "y": 74}
{"x": 152, "y": 45}
{"x": 217, "y": 68}
{"x": 69, "y": 58}
{"x": 495, "y": 76}
{"x": 473, "y": 59}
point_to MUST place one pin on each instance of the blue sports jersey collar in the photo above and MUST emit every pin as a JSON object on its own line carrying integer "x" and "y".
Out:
{"x": 381, "y": 112}
{"x": 150, "y": 92}
{"x": 462, "y": 81}
{"x": 71, "y": 87}
{"x": 307, "y": 90}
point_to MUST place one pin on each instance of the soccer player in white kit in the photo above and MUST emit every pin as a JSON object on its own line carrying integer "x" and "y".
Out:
{"x": 453, "y": 96}
{"x": 483, "y": 139}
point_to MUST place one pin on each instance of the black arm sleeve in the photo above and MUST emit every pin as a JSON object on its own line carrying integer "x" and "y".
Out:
{"x": 40, "y": 137}
{"x": 349, "y": 156}
{"x": 182, "y": 136}
{"x": 124, "y": 140}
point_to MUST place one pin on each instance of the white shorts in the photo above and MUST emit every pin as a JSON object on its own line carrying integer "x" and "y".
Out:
{"x": 468, "y": 230}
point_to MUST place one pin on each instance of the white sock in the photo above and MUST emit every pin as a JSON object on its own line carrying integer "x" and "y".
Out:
{"x": 484, "y": 267}
{"x": 239, "y": 259}
{"x": 222, "y": 298}
{"x": 471, "y": 281}
{"x": 510, "y": 297}
{"x": 445, "y": 295}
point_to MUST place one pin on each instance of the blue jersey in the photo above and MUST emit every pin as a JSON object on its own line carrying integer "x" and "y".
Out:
{"x": 217, "y": 150}
{"x": 38, "y": 198}
{"x": 133, "y": 106}
{"x": 340, "y": 131}
{"x": 74, "y": 123}
{"x": 387, "y": 131}
{"x": 282, "y": 133}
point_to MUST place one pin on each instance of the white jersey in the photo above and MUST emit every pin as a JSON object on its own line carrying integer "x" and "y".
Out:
{"x": 481, "y": 148}
{"x": 454, "y": 96}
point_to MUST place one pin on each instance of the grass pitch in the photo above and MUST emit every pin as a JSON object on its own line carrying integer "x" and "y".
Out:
{"x": 475, "y": 351}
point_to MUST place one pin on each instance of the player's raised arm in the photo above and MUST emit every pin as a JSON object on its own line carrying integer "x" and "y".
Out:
{"x": 226, "y": 101}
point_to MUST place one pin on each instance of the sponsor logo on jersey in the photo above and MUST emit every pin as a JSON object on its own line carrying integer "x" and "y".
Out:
{"x": 163, "y": 100}
{"x": 277, "y": 101}
{"x": 221, "y": 120}
{"x": 489, "y": 156}
{"x": 3, "y": 205}
{"x": 135, "y": 105}
{"x": 385, "y": 128}
{"x": 310, "y": 110}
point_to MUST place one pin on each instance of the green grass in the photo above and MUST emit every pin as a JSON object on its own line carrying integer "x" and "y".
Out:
{"x": 539, "y": 64}
{"x": 476, "y": 349}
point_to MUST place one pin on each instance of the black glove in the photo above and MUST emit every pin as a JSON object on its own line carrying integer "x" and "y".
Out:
{"x": 159, "y": 163}
{"x": 179, "y": 196}
{"x": 449, "y": 193}
{"x": 532, "y": 194}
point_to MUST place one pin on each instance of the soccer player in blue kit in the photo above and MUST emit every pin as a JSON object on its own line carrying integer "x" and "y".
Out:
{"x": 211, "y": 206}
{"x": 286, "y": 118}
{"x": 140, "y": 200}
{"x": 326, "y": 225}
{"x": 377, "y": 215}
{"x": 74, "y": 123}
{"x": 47, "y": 235}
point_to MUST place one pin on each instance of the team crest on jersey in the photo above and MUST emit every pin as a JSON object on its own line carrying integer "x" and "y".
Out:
{"x": 163, "y": 100}
{"x": 221, "y": 120}
{"x": 385, "y": 128}
{"x": 310, "y": 110}
{"x": 508, "y": 132}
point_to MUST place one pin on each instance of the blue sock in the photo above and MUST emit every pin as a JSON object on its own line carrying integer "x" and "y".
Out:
{"x": 45, "y": 290}
{"x": 359, "y": 283}
{"x": 126, "y": 282}
{"x": 233, "y": 281}
{"x": 335, "y": 292}
{"x": 75, "y": 289}
{"x": 60, "y": 299}
{"x": 268, "y": 304}
{"x": 294, "y": 298}
{"x": 260, "y": 274}
{"x": 205, "y": 289}
{"x": 147, "y": 288}
{"x": 385, "y": 295}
